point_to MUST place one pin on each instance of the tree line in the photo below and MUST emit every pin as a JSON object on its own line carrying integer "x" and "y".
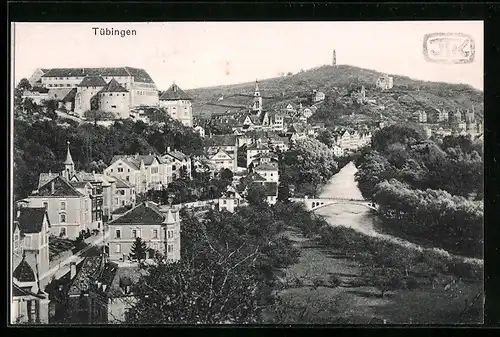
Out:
{"x": 430, "y": 191}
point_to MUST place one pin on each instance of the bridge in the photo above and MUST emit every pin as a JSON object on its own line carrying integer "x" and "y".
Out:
{"x": 313, "y": 204}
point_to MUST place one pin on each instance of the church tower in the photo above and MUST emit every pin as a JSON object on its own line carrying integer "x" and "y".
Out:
{"x": 334, "y": 61}
{"x": 257, "y": 100}
{"x": 69, "y": 165}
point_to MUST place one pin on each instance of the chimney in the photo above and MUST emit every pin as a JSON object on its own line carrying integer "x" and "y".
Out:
{"x": 168, "y": 149}
{"x": 52, "y": 188}
{"x": 104, "y": 287}
{"x": 72, "y": 268}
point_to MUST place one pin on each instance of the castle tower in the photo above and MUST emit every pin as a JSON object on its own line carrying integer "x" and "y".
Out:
{"x": 334, "y": 61}
{"x": 69, "y": 165}
{"x": 257, "y": 100}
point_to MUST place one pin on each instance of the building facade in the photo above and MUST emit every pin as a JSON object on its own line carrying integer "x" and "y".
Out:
{"x": 177, "y": 104}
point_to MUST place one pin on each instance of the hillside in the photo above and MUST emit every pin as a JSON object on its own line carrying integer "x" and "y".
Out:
{"x": 404, "y": 98}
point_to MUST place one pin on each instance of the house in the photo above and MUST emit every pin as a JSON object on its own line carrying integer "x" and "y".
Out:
{"x": 250, "y": 122}
{"x": 221, "y": 160}
{"x": 385, "y": 82}
{"x": 177, "y": 104}
{"x": 30, "y": 304}
{"x": 32, "y": 225}
{"x": 230, "y": 200}
{"x": 200, "y": 130}
{"x": 124, "y": 194}
{"x": 254, "y": 149}
{"x": 144, "y": 172}
{"x": 263, "y": 158}
{"x": 202, "y": 165}
{"x": 442, "y": 116}
{"x": 318, "y": 96}
{"x": 268, "y": 170}
{"x": 278, "y": 143}
{"x": 227, "y": 143}
{"x": 178, "y": 161}
{"x": 96, "y": 193}
{"x": 140, "y": 87}
{"x": 160, "y": 231}
{"x": 420, "y": 116}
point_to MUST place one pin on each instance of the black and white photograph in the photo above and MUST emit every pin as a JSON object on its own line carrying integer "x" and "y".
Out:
{"x": 247, "y": 173}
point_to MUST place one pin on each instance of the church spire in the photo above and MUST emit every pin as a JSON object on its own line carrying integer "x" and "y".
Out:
{"x": 69, "y": 165}
{"x": 256, "y": 91}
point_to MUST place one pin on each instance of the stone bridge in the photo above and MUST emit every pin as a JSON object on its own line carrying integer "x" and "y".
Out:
{"x": 313, "y": 204}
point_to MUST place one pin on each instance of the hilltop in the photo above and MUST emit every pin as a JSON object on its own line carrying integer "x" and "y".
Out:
{"x": 407, "y": 95}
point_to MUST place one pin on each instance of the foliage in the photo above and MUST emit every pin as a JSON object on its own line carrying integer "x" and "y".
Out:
{"x": 225, "y": 272}
{"x": 98, "y": 115}
{"x": 256, "y": 194}
{"x": 138, "y": 250}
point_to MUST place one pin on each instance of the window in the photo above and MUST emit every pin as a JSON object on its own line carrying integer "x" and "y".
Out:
{"x": 63, "y": 205}
{"x": 224, "y": 202}
{"x": 118, "y": 248}
{"x": 123, "y": 202}
{"x": 127, "y": 178}
{"x": 122, "y": 192}
{"x": 117, "y": 234}
{"x": 170, "y": 234}
{"x": 128, "y": 170}
{"x": 110, "y": 94}
{"x": 155, "y": 234}
{"x": 46, "y": 205}
{"x": 62, "y": 231}
{"x": 63, "y": 218}
{"x": 116, "y": 201}
{"x": 120, "y": 169}
{"x": 113, "y": 106}
{"x": 174, "y": 167}
{"x": 170, "y": 248}
{"x": 134, "y": 233}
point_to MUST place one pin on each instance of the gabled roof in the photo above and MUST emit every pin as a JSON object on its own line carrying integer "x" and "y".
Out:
{"x": 113, "y": 86}
{"x": 45, "y": 178}
{"x": 221, "y": 151}
{"x": 70, "y": 96}
{"x": 62, "y": 187}
{"x": 105, "y": 278}
{"x": 258, "y": 146}
{"x": 88, "y": 271}
{"x": 120, "y": 183}
{"x": 31, "y": 219}
{"x": 144, "y": 213}
{"x": 128, "y": 160}
{"x": 174, "y": 93}
{"x": 24, "y": 272}
{"x": 254, "y": 177}
{"x": 176, "y": 155}
{"x": 92, "y": 81}
{"x": 271, "y": 155}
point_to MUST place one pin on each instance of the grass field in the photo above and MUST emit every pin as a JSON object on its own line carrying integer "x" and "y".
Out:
{"x": 354, "y": 302}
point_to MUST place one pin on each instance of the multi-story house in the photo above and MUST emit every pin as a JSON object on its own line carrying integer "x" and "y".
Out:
{"x": 318, "y": 96}
{"x": 227, "y": 143}
{"x": 160, "y": 229}
{"x": 142, "y": 171}
{"x": 263, "y": 158}
{"x": 177, "y": 104}
{"x": 385, "y": 82}
{"x": 254, "y": 149}
{"x": 441, "y": 115}
{"x": 268, "y": 170}
{"x": 201, "y": 130}
{"x": 30, "y": 304}
{"x": 124, "y": 194}
{"x": 230, "y": 200}
{"x": 33, "y": 227}
{"x": 221, "y": 160}
{"x": 177, "y": 161}
{"x": 96, "y": 195}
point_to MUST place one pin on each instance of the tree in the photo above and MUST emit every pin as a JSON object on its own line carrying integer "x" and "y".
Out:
{"x": 24, "y": 84}
{"x": 98, "y": 115}
{"x": 256, "y": 194}
{"x": 226, "y": 174}
{"x": 138, "y": 250}
{"x": 326, "y": 137}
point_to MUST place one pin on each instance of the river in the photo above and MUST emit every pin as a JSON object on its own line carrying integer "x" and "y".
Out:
{"x": 360, "y": 218}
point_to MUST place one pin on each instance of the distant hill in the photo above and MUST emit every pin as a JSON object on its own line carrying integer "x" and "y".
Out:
{"x": 405, "y": 97}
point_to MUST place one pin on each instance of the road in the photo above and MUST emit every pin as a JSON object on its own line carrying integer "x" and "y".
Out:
{"x": 62, "y": 268}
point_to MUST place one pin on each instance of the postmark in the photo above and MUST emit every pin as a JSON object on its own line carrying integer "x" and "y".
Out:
{"x": 451, "y": 48}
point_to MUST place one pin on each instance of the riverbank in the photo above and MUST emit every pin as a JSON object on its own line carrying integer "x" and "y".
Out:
{"x": 308, "y": 297}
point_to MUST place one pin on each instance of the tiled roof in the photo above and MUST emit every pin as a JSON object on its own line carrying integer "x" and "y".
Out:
{"x": 254, "y": 176}
{"x": 221, "y": 140}
{"x": 24, "y": 272}
{"x": 106, "y": 277}
{"x": 45, "y": 178}
{"x": 70, "y": 96}
{"x": 79, "y": 184}
{"x": 120, "y": 183}
{"x": 62, "y": 187}
{"x": 177, "y": 155}
{"x": 174, "y": 93}
{"x": 258, "y": 146}
{"x": 267, "y": 167}
{"x": 41, "y": 90}
{"x": 31, "y": 219}
{"x": 271, "y": 155}
{"x": 144, "y": 213}
{"x": 113, "y": 86}
{"x": 88, "y": 271}
{"x": 140, "y": 75}
{"x": 58, "y": 93}
{"x": 92, "y": 81}
{"x": 125, "y": 276}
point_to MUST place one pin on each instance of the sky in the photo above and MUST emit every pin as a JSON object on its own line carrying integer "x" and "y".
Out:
{"x": 201, "y": 54}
